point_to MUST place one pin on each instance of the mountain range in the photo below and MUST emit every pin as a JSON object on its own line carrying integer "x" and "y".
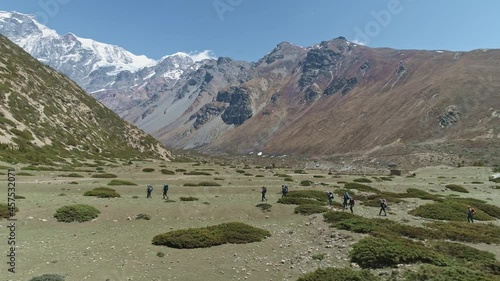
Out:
{"x": 333, "y": 98}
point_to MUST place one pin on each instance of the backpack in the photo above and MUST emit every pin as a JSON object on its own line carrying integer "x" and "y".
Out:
{"x": 150, "y": 188}
{"x": 165, "y": 187}
{"x": 330, "y": 195}
{"x": 351, "y": 202}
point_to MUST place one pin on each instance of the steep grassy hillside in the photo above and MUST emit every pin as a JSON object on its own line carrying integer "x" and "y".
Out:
{"x": 45, "y": 117}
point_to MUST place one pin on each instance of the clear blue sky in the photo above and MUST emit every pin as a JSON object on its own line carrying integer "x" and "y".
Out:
{"x": 248, "y": 29}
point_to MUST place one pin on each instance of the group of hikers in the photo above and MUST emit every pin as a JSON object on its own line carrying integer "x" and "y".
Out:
{"x": 149, "y": 191}
{"x": 348, "y": 201}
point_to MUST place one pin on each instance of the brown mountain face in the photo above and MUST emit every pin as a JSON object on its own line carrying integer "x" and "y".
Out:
{"x": 339, "y": 97}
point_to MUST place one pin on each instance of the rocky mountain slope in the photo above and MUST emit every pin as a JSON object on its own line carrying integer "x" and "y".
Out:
{"x": 45, "y": 117}
{"x": 336, "y": 98}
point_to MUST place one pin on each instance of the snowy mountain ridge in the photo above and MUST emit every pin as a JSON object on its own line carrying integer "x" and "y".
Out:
{"x": 97, "y": 67}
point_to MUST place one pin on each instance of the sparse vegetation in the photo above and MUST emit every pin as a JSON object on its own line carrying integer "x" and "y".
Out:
{"x": 48, "y": 277}
{"x": 121, "y": 182}
{"x": 264, "y": 207}
{"x": 143, "y": 217}
{"x": 361, "y": 187}
{"x": 190, "y": 198}
{"x": 102, "y": 192}
{"x": 457, "y": 188}
{"x": 339, "y": 274}
{"x": 104, "y": 176}
{"x": 208, "y": 183}
{"x": 226, "y": 233}
{"x": 299, "y": 172}
{"x": 309, "y": 209}
{"x": 79, "y": 213}
{"x": 5, "y": 212}
{"x": 306, "y": 183}
{"x": 167, "y": 172}
{"x": 375, "y": 252}
{"x": 363, "y": 180}
{"x": 197, "y": 173}
{"x": 148, "y": 170}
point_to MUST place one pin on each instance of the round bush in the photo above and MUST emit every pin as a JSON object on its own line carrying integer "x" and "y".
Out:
{"x": 234, "y": 233}
{"x": 143, "y": 217}
{"x": 339, "y": 274}
{"x": 374, "y": 252}
{"x": 148, "y": 170}
{"x": 102, "y": 192}
{"x": 364, "y": 180}
{"x": 457, "y": 188}
{"x": 5, "y": 212}
{"x": 78, "y": 212}
{"x": 309, "y": 209}
{"x": 167, "y": 172}
{"x": 190, "y": 198}
{"x": 48, "y": 277}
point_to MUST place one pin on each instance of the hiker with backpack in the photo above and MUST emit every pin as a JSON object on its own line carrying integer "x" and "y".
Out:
{"x": 470, "y": 214}
{"x": 165, "y": 190}
{"x": 149, "y": 191}
{"x": 330, "y": 197}
{"x": 284, "y": 190}
{"x": 351, "y": 205}
{"x": 264, "y": 191}
{"x": 383, "y": 205}
{"x": 347, "y": 197}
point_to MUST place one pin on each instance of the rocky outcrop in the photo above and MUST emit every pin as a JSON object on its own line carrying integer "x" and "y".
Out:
{"x": 207, "y": 113}
{"x": 318, "y": 61}
{"x": 239, "y": 109}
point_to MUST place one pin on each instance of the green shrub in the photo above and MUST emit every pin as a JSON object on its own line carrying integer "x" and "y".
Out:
{"x": 378, "y": 227}
{"x": 288, "y": 179}
{"x": 148, "y": 170}
{"x": 48, "y": 277}
{"x": 477, "y": 182}
{"x": 264, "y": 206}
{"x": 102, "y": 192}
{"x": 190, "y": 184}
{"x": 300, "y": 201}
{"x": 339, "y": 274}
{"x": 79, "y": 213}
{"x": 299, "y": 172}
{"x": 451, "y": 273}
{"x": 240, "y": 171}
{"x": 167, "y": 172}
{"x": 104, "y": 176}
{"x": 209, "y": 183}
{"x": 308, "y": 209}
{"x": 463, "y": 253}
{"x": 5, "y": 212}
{"x": 259, "y": 176}
{"x": 361, "y": 187}
{"x": 197, "y": 173}
{"x": 318, "y": 176}
{"x": 467, "y": 232}
{"x": 282, "y": 175}
{"x": 385, "y": 178}
{"x": 319, "y": 257}
{"x": 190, "y": 198}
{"x": 19, "y": 197}
{"x": 143, "y": 217}
{"x": 454, "y": 210}
{"x": 363, "y": 180}
{"x": 248, "y": 174}
{"x": 160, "y": 254}
{"x": 24, "y": 174}
{"x": 306, "y": 183}
{"x": 226, "y": 233}
{"x": 374, "y": 252}
{"x": 121, "y": 182}
{"x": 74, "y": 175}
{"x": 457, "y": 188}
{"x": 417, "y": 193}
{"x": 311, "y": 194}
{"x": 180, "y": 170}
